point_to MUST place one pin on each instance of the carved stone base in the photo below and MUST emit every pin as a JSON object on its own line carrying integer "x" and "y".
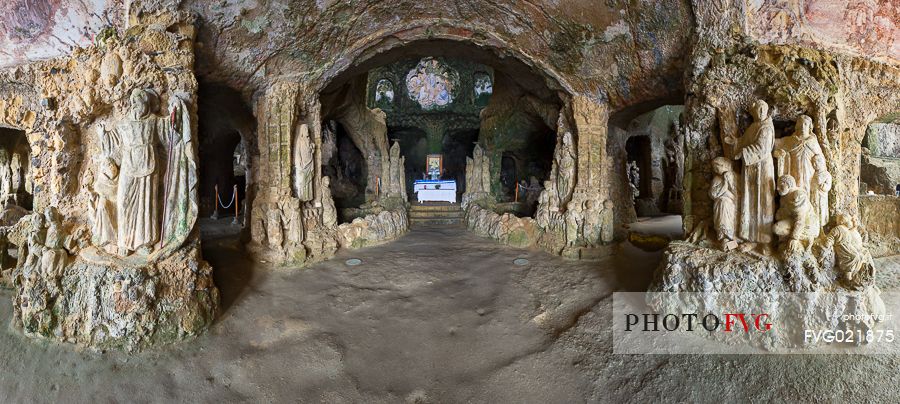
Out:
{"x": 117, "y": 304}
{"x": 802, "y": 295}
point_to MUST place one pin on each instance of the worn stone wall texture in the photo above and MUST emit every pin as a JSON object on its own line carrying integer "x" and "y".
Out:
{"x": 881, "y": 217}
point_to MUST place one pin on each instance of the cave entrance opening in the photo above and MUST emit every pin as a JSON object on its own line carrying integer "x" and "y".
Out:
{"x": 648, "y": 147}
{"x": 16, "y": 189}
{"x": 226, "y": 129}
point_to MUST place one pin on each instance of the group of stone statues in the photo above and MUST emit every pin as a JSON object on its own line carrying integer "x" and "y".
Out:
{"x": 745, "y": 214}
{"x": 144, "y": 202}
{"x": 13, "y": 178}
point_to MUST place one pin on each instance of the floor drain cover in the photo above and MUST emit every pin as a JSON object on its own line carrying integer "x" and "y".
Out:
{"x": 520, "y": 261}
{"x": 353, "y": 261}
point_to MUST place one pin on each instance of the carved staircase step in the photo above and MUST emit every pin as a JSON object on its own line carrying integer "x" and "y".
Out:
{"x": 441, "y": 222}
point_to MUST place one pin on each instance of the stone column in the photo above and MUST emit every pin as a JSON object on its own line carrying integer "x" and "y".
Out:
{"x": 591, "y": 123}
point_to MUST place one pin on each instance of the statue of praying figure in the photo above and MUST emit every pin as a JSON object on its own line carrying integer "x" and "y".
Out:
{"x": 304, "y": 161}
{"x": 757, "y": 202}
{"x": 821, "y": 185}
{"x": 796, "y": 153}
{"x": 797, "y": 224}
{"x": 853, "y": 261}
{"x": 723, "y": 191}
{"x": 105, "y": 183}
{"x": 135, "y": 140}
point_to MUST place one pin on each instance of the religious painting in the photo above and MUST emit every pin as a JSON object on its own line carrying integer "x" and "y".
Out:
{"x": 862, "y": 27}
{"x": 434, "y": 165}
{"x": 431, "y": 83}
{"x": 384, "y": 93}
{"x": 483, "y": 88}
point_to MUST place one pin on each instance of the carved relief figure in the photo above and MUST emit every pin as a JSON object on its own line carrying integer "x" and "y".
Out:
{"x": 304, "y": 160}
{"x": 607, "y": 217}
{"x": 796, "y": 222}
{"x": 853, "y": 260}
{"x": 329, "y": 212}
{"x": 797, "y": 152}
{"x": 574, "y": 222}
{"x": 592, "y": 225}
{"x": 723, "y": 191}
{"x": 565, "y": 163}
{"x": 757, "y": 202}
{"x": 137, "y": 198}
{"x": 105, "y": 185}
{"x": 821, "y": 185}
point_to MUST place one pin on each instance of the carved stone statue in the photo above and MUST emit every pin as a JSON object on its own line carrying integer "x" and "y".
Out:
{"x": 853, "y": 261}
{"x": 470, "y": 180}
{"x": 593, "y": 226}
{"x": 542, "y": 216}
{"x": 6, "y": 192}
{"x": 397, "y": 182}
{"x": 329, "y": 212}
{"x": 15, "y": 167}
{"x": 796, "y": 222}
{"x": 565, "y": 163}
{"x": 574, "y": 222}
{"x": 634, "y": 178}
{"x": 607, "y": 221}
{"x": 105, "y": 185}
{"x": 723, "y": 191}
{"x": 757, "y": 202}
{"x": 135, "y": 140}
{"x": 477, "y": 184}
{"x": 304, "y": 164}
{"x": 821, "y": 185}
{"x": 797, "y": 152}
{"x": 485, "y": 174}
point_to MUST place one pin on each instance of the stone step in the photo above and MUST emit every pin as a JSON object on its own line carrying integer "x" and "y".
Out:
{"x": 446, "y": 214}
{"x": 435, "y": 222}
{"x": 435, "y": 208}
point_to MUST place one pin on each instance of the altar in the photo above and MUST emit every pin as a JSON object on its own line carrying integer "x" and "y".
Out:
{"x": 435, "y": 190}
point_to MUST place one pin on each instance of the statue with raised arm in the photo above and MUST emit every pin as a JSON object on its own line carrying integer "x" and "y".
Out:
{"x": 757, "y": 202}
{"x": 142, "y": 224}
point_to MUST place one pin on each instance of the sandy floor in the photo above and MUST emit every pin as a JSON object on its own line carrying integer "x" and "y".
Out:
{"x": 437, "y": 316}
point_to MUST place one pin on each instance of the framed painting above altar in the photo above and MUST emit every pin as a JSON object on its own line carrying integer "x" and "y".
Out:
{"x": 434, "y": 165}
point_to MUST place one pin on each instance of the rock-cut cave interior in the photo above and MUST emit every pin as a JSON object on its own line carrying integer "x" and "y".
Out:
{"x": 449, "y": 201}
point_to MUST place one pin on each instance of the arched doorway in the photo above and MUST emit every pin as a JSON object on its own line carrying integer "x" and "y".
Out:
{"x": 502, "y": 103}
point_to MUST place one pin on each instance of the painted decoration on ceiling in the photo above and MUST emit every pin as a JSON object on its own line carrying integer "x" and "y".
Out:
{"x": 862, "y": 27}
{"x": 41, "y": 29}
{"x": 431, "y": 83}
{"x": 384, "y": 92}
{"x": 483, "y": 88}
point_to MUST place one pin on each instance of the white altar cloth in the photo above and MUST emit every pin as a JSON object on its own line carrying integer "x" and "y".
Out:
{"x": 435, "y": 190}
